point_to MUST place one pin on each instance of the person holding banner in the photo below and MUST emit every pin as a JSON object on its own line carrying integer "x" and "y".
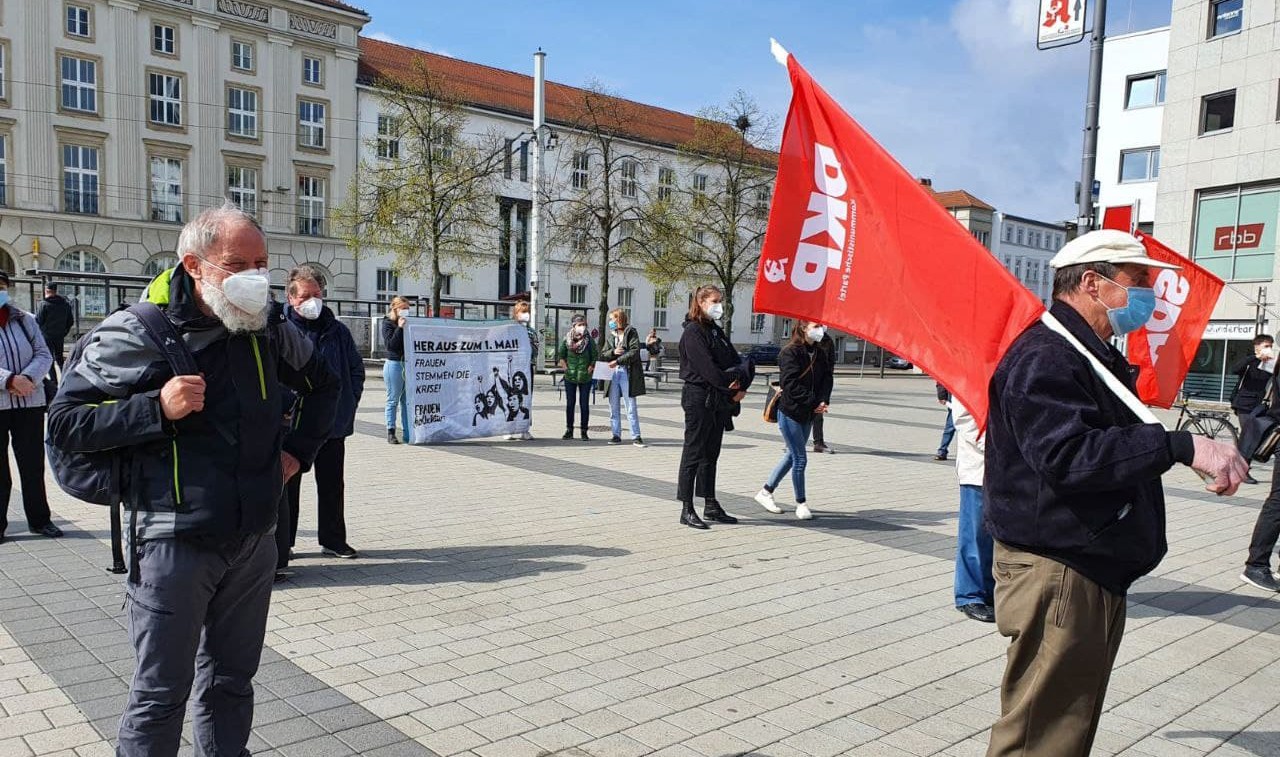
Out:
{"x": 393, "y": 366}
{"x": 577, "y": 355}
{"x": 520, "y": 314}
{"x": 714, "y": 377}
{"x": 628, "y": 376}
{"x": 1073, "y": 496}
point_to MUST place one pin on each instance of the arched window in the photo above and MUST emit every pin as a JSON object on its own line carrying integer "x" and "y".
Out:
{"x": 159, "y": 263}
{"x": 90, "y": 300}
{"x": 323, "y": 271}
{"x": 6, "y": 263}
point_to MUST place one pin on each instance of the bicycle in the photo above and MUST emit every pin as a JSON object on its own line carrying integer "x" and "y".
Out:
{"x": 1205, "y": 422}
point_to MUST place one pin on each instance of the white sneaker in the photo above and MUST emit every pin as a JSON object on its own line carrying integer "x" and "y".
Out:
{"x": 765, "y": 498}
{"x": 512, "y": 437}
{"x": 525, "y": 436}
{"x": 802, "y": 512}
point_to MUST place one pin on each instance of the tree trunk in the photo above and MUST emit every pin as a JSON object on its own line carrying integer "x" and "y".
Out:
{"x": 436, "y": 283}
{"x": 727, "y": 322}
{"x": 604, "y": 301}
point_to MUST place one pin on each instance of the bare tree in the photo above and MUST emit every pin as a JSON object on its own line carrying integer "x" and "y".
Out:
{"x": 597, "y": 211}
{"x": 713, "y": 225}
{"x": 429, "y": 192}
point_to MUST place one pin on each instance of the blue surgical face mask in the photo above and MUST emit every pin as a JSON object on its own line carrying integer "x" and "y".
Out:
{"x": 613, "y": 325}
{"x": 1136, "y": 312}
{"x": 4, "y": 297}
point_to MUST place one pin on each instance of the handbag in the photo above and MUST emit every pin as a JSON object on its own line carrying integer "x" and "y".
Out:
{"x": 774, "y": 394}
{"x": 1259, "y": 432}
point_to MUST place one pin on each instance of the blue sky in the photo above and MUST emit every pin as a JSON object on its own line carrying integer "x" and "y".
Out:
{"x": 955, "y": 90}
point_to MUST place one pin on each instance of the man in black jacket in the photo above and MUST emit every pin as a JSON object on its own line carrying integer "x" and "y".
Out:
{"x": 56, "y": 319}
{"x": 207, "y": 458}
{"x": 1254, "y": 378}
{"x": 1073, "y": 497}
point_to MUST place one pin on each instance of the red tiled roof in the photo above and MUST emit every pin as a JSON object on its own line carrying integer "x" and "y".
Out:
{"x": 338, "y": 5}
{"x": 958, "y": 198}
{"x": 512, "y": 93}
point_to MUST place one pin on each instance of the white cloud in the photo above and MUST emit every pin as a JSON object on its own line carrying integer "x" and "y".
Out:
{"x": 382, "y": 36}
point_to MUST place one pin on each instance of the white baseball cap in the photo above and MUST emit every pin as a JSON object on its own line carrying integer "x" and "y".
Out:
{"x": 1105, "y": 246}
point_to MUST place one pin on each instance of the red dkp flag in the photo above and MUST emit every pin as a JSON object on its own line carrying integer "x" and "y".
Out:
{"x": 855, "y": 242}
{"x": 1164, "y": 348}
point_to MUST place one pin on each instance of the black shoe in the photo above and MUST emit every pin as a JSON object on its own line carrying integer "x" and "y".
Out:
{"x": 713, "y": 512}
{"x": 639, "y": 442}
{"x": 1261, "y": 578}
{"x": 689, "y": 517}
{"x": 819, "y": 448}
{"x": 616, "y": 440}
{"x": 49, "y": 530}
{"x": 568, "y": 434}
{"x": 978, "y": 611}
{"x": 1, "y": 538}
{"x": 282, "y": 575}
{"x": 391, "y": 436}
{"x": 584, "y": 436}
{"x": 1250, "y": 480}
{"x": 940, "y": 456}
{"x": 345, "y": 552}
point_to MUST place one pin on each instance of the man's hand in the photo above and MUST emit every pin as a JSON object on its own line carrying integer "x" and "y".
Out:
{"x": 1222, "y": 463}
{"x": 737, "y": 397}
{"x": 181, "y": 396}
{"x": 22, "y": 386}
{"x": 289, "y": 465}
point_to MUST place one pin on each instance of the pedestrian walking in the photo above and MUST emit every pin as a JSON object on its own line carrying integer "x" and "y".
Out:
{"x": 622, "y": 350}
{"x": 828, "y": 347}
{"x": 333, "y": 342}
{"x": 1073, "y": 497}
{"x": 715, "y": 377}
{"x": 56, "y": 318}
{"x": 393, "y": 367}
{"x": 24, "y": 362}
{"x": 652, "y": 350}
{"x": 208, "y": 464}
{"x": 1256, "y": 372}
{"x": 1266, "y": 529}
{"x": 948, "y": 426}
{"x": 805, "y": 376}
{"x": 520, "y": 313}
{"x": 577, "y": 356}
{"x": 975, "y": 586}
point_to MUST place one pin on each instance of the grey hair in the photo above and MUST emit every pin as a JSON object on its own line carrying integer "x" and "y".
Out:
{"x": 305, "y": 272}
{"x": 1067, "y": 280}
{"x": 203, "y": 231}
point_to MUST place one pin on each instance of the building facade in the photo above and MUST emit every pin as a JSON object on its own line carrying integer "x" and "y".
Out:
{"x": 1218, "y": 195}
{"x": 1131, "y": 115}
{"x": 1025, "y": 247}
{"x": 121, "y": 120}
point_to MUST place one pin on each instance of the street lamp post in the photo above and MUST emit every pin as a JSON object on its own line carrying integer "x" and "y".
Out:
{"x": 1086, "y": 217}
{"x": 535, "y": 222}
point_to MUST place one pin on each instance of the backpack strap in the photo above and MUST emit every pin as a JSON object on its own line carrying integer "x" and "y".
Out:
{"x": 162, "y": 332}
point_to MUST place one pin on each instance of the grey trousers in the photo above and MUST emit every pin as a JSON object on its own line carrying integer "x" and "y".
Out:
{"x": 198, "y": 613}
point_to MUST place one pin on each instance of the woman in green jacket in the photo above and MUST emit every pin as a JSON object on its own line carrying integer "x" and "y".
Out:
{"x": 622, "y": 350}
{"x": 577, "y": 355}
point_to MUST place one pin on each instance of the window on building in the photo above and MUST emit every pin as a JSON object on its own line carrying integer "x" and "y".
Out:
{"x": 763, "y": 195}
{"x": 159, "y": 264}
{"x": 1225, "y": 17}
{"x": 311, "y": 124}
{"x": 1140, "y": 165}
{"x": 700, "y": 184}
{"x": 388, "y": 138}
{"x": 79, "y": 18}
{"x": 1021, "y": 235}
{"x": 757, "y": 323}
{"x": 666, "y": 183}
{"x": 80, "y": 179}
{"x": 581, "y": 164}
{"x": 626, "y": 297}
{"x": 388, "y": 282}
{"x": 164, "y": 39}
{"x": 4, "y": 71}
{"x": 1235, "y": 235}
{"x": 241, "y": 55}
{"x": 242, "y": 112}
{"x": 79, "y": 84}
{"x": 446, "y": 284}
{"x": 524, "y": 160}
{"x": 661, "y": 301}
{"x": 311, "y": 201}
{"x": 700, "y": 237}
{"x": 312, "y": 70}
{"x": 242, "y": 188}
{"x": 4, "y": 170}
{"x": 165, "y": 92}
{"x": 1145, "y": 91}
{"x": 442, "y": 148}
{"x": 166, "y": 189}
{"x": 982, "y": 236}
{"x": 508, "y": 154}
{"x": 630, "y": 187}
{"x": 91, "y": 301}
{"x": 577, "y": 294}
{"x": 1218, "y": 112}
{"x": 1008, "y": 233}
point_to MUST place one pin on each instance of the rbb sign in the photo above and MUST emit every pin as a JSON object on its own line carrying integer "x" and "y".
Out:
{"x": 1061, "y": 22}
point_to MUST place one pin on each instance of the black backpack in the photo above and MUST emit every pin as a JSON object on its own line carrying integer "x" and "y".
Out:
{"x": 97, "y": 477}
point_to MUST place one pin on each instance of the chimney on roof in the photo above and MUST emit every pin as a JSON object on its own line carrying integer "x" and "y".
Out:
{"x": 926, "y": 182}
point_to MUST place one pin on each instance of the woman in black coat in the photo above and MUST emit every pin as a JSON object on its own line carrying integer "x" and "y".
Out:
{"x": 715, "y": 378}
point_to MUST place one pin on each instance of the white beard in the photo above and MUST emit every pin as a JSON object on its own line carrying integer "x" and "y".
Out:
{"x": 236, "y": 320}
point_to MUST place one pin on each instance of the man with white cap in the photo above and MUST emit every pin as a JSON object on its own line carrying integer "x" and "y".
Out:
{"x": 1073, "y": 497}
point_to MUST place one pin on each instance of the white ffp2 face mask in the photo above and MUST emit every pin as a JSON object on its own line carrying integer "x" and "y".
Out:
{"x": 715, "y": 310}
{"x": 248, "y": 290}
{"x": 311, "y": 308}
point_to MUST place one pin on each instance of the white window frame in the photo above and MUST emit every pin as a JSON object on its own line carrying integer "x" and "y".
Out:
{"x": 700, "y": 184}
{"x": 577, "y": 294}
{"x": 78, "y": 21}
{"x": 1159, "y": 82}
{"x": 242, "y": 121}
{"x": 387, "y": 281}
{"x": 159, "y": 263}
{"x": 666, "y": 183}
{"x": 246, "y": 52}
{"x": 312, "y": 220}
{"x": 313, "y": 70}
{"x": 4, "y": 70}
{"x": 241, "y": 192}
{"x": 388, "y": 147}
{"x": 630, "y": 184}
{"x": 87, "y": 181}
{"x": 311, "y": 129}
{"x": 165, "y": 207}
{"x": 757, "y": 323}
{"x": 83, "y": 91}
{"x": 661, "y": 304}
{"x": 168, "y": 102}
{"x": 581, "y": 168}
{"x": 164, "y": 36}
{"x": 626, "y": 300}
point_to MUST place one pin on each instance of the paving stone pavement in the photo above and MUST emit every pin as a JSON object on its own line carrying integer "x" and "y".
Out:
{"x": 539, "y": 598}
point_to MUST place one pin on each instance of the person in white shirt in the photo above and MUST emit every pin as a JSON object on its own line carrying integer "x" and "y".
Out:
{"x": 974, "y": 584}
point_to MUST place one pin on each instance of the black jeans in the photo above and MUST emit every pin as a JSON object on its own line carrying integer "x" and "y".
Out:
{"x": 330, "y": 493}
{"x": 704, "y": 421}
{"x": 1267, "y": 530}
{"x": 25, "y": 427}
{"x": 579, "y": 394}
{"x": 818, "y": 439}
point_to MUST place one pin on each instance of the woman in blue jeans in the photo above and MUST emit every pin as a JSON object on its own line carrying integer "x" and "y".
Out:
{"x": 393, "y": 368}
{"x": 806, "y": 377}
